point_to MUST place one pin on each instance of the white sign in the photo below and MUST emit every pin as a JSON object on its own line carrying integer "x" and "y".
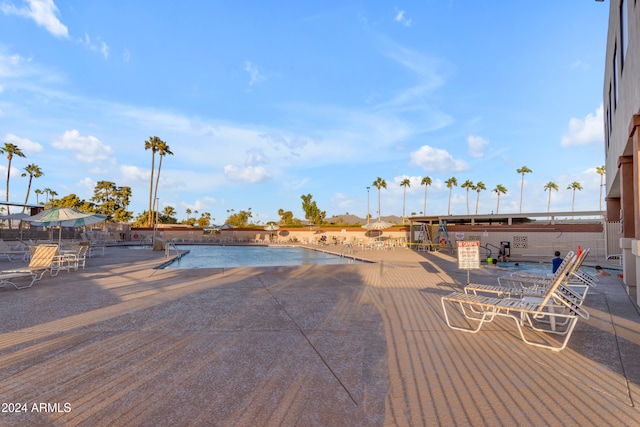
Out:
{"x": 468, "y": 254}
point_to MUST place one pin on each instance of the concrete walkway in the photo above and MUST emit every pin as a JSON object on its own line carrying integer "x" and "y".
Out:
{"x": 123, "y": 344}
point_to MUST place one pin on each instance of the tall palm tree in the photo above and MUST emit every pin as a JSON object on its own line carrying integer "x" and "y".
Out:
{"x": 33, "y": 171}
{"x": 163, "y": 150}
{"x": 479, "y": 187}
{"x": 379, "y": 183}
{"x": 467, "y": 185}
{"x": 38, "y": 193}
{"x": 548, "y": 187}
{"x": 426, "y": 181}
{"x": 10, "y": 150}
{"x": 601, "y": 170}
{"x": 522, "y": 171}
{"x": 405, "y": 183}
{"x": 47, "y": 192}
{"x": 500, "y": 189}
{"x": 575, "y": 185}
{"x": 451, "y": 182}
{"x": 151, "y": 144}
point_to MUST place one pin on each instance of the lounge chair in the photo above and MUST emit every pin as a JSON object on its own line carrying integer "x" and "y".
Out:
{"x": 42, "y": 260}
{"x": 19, "y": 252}
{"x": 518, "y": 285}
{"x": 555, "y": 312}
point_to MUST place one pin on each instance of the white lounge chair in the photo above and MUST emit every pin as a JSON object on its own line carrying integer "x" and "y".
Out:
{"x": 555, "y": 312}
{"x": 42, "y": 260}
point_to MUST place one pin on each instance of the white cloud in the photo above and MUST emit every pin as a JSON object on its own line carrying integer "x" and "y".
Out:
{"x": 25, "y": 145}
{"x": 477, "y": 145}
{"x": 85, "y": 148}
{"x": 401, "y": 17}
{"x": 134, "y": 174}
{"x": 95, "y": 46}
{"x": 43, "y": 12}
{"x": 255, "y": 76}
{"x": 436, "y": 160}
{"x": 248, "y": 174}
{"x": 587, "y": 131}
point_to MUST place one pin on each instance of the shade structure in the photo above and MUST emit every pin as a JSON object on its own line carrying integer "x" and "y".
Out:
{"x": 377, "y": 225}
{"x": 271, "y": 227}
{"x": 57, "y": 215}
{"x": 65, "y": 217}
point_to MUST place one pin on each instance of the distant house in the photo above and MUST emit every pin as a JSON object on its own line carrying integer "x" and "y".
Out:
{"x": 621, "y": 97}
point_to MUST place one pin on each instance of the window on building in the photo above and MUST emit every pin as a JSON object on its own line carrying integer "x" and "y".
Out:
{"x": 615, "y": 77}
{"x": 610, "y": 111}
{"x": 624, "y": 31}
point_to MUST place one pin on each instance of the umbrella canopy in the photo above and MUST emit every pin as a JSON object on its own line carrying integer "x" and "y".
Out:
{"x": 16, "y": 216}
{"x": 377, "y": 225}
{"x": 78, "y": 222}
{"x": 65, "y": 217}
{"x": 57, "y": 215}
{"x": 271, "y": 227}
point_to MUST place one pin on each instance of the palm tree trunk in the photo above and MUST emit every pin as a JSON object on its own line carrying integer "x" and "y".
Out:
{"x": 26, "y": 199}
{"x": 153, "y": 166}
{"x": 425, "y": 201}
{"x": 155, "y": 193}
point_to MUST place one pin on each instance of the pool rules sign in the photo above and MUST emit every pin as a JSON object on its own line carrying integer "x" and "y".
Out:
{"x": 468, "y": 255}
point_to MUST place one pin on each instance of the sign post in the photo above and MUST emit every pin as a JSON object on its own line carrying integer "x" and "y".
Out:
{"x": 468, "y": 255}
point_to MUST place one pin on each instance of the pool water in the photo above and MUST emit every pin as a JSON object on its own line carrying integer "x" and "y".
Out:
{"x": 545, "y": 268}
{"x": 252, "y": 256}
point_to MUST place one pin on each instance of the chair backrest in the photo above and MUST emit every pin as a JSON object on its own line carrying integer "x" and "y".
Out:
{"x": 566, "y": 297}
{"x": 559, "y": 277}
{"x": 43, "y": 256}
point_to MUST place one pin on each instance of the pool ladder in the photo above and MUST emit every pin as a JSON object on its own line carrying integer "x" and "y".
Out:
{"x": 347, "y": 249}
{"x": 167, "y": 250}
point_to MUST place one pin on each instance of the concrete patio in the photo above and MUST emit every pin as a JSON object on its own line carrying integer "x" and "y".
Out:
{"x": 123, "y": 344}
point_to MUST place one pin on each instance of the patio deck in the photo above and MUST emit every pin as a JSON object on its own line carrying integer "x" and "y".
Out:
{"x": 121, "y": 343}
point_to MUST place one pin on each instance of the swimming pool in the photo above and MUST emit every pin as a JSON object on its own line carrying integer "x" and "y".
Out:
{"x": 252, "y": 256}
{"x": 545, "y": 268}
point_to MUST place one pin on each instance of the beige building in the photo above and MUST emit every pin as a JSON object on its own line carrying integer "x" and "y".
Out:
{"x": 621, "y": 94}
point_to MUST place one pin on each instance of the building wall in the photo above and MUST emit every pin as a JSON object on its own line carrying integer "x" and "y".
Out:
{"x": 622, "y": 128}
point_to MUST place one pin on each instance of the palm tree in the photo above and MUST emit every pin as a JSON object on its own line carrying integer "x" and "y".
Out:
{"x": 163, "y": 150}
{"x": 601, "y": 170}
{"x": 405, "y": 183}
{"x": 522, "y": 171}
{"x": 151, "y": 144}
{"x": 467, "y": 185}
{"x": 10, "y": 150}
{"x": 451, "y": 182}
{"x": 379, "y": 183}
{"x": 479, "y": 187}
{"x": 38, "y": 193}
{"x": 575, "y": 185}
{"x": 500, "y": 189}
{"x": 548, "y": 187}
{"x": 426, "y": 181}
{"x": 33, "y": 171}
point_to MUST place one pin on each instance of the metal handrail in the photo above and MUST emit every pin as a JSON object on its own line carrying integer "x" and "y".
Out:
{"x": 617, "y": 257}
{"x": 167, "y": 249}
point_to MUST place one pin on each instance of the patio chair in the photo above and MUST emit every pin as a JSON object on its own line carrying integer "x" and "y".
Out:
{"x": 555, "y": 312}
{"x": 42, "y": 260}
{"x": 19, "y": 252}
{"x": 578, "y": 282}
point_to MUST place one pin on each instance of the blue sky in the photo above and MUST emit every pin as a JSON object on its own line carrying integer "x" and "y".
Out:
{"x": 262, "y": 102}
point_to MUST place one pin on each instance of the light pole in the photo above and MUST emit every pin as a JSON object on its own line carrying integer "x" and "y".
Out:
{"x": 368, "y": 200}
